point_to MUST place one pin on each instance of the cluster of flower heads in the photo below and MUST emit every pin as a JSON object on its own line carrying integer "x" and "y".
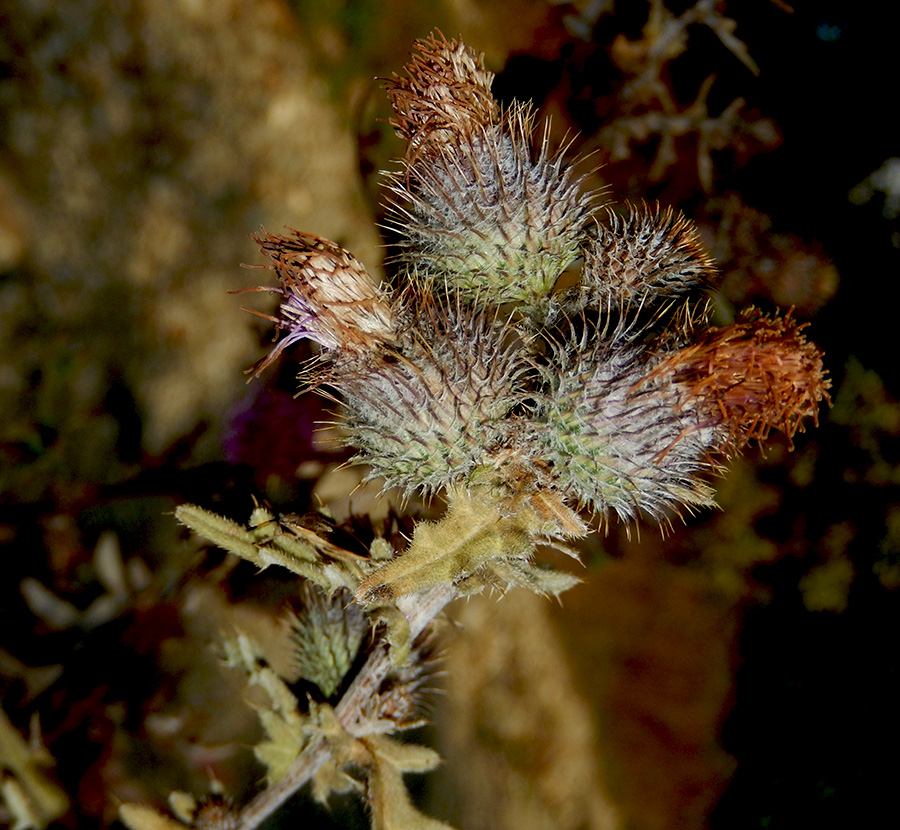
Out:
{"x": 475, "y": 369}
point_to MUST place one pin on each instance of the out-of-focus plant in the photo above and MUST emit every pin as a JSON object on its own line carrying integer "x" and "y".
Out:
{"x": 645, "y": 111}
{"x": 478, "y": 378}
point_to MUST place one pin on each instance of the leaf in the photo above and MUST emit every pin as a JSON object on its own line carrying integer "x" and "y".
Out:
{"x": 402, "y": 756}
{"x": 30, "y": 796}
{"x": 264, "y": 543}
{"x": 473, "y": 531}
{"x": 540, "y": 580}
{"x": 398, "y": 634}
{"x": 140, "y": 817}
{"x": 390, "y": 803}
{"x": 284, "y": 744}
{"x": 330, "y": 778}
{"x": 724, "y": 28}
{"x": 285, "y": 726}
{"x": 220, "y": 531}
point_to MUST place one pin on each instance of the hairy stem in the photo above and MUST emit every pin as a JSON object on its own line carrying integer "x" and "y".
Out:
{"x": 419, "y": 610}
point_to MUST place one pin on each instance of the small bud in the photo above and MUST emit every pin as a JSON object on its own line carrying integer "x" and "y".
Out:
{"x": 327, "y": 297}
{"x": 648, "y": 252}
{"x": 402, "y": 700}
{"x": 327, "y": 634}
{"x": 215, "y": 812}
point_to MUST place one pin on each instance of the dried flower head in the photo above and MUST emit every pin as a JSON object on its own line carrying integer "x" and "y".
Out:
{"x": 327, "y": 297}
{"x": 754, "y": 376}
{"x": 445, "y": 95}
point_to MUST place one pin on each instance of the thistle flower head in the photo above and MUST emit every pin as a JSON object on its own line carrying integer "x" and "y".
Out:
{"x": 327, "y": 297}
{"x": 476, "y": 207}
{"x": 618, "y": 440}
{"x": 649, "y": 252}
{"x": 435, "y": 410}
{"x": 754, "y": 376}
{"x": 489, "y": 218}
{"x": 444, "y": 96}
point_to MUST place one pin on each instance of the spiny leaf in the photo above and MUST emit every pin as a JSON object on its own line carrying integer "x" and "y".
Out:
{"x": 473, "y": 531}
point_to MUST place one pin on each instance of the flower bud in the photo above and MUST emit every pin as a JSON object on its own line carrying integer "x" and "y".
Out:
{"x": 649, "y": 252}
{"x": 327, "y": 632}
{"x": 476, "y": 208}
{"x": 327, "y": 297}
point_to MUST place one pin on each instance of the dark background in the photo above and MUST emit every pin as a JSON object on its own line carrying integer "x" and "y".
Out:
{"x": 142, "y": 142}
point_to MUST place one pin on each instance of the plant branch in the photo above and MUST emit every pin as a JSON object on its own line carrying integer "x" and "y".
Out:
{"x": 420, "y": 610}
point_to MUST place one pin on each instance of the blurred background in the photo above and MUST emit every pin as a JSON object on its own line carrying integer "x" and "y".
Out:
{"x": 739, "y": 672}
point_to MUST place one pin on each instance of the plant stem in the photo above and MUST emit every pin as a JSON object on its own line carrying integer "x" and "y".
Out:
{"x": 420, "y": 610}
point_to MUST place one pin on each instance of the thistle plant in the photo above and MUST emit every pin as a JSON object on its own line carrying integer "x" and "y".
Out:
{"x": 529, "y": 408}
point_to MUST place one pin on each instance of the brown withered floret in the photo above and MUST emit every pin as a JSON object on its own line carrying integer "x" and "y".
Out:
{"x": 327, "y": 296}
{"x": 757, "y": 375}
{"x": 446, "y": 93}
